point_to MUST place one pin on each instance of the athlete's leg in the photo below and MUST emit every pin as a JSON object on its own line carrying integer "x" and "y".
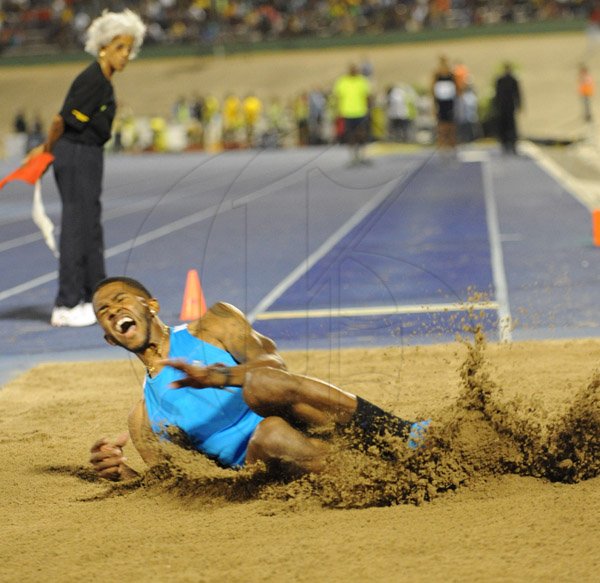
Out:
{"x": 269, "y": 391}
{"x": 310, "y": 401}
{"x": 275, "y": 440}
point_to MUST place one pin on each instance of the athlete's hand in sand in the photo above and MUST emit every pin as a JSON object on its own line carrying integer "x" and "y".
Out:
{"x": 108, "y": 460}
{"x": 198, "y": 376}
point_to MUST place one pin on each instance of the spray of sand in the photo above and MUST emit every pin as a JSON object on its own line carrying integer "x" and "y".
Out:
{"x": 478, "y": 436}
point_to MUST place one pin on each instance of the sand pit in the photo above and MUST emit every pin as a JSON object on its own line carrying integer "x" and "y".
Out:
{"x": 470, "y": 509}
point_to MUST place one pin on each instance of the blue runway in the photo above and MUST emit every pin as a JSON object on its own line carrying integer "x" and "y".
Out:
{"x": 410, "y": 249}
{"x": 425, "y": 244}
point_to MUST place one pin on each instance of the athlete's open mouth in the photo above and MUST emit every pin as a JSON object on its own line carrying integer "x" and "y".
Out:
{"x": 124, "y": 324}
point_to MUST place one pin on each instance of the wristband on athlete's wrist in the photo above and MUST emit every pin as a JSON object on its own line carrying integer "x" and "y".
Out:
{"x": 226, "y": 372}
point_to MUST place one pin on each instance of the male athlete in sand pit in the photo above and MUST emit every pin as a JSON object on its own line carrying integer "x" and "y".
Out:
{"x": 224, "y": 385}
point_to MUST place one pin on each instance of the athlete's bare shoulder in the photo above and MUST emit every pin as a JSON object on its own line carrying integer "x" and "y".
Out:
{"x": 218, "y": 322}
{"x": 225, "y": 310}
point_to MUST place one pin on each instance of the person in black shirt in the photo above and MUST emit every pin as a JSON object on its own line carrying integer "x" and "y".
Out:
{"x": 76, "y": 138}
{"x": 507, "y": 102}
{"x": 444, "y": 91}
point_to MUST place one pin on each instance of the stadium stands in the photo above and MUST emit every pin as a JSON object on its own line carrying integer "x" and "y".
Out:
{"x": 34, "y": 27}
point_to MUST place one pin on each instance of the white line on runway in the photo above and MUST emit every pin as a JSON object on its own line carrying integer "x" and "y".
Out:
{"x": 376, "y": 311}
{"x": 31, "y": 284}
{"x": 584, "y": 191}
{"x": 308, "y": 263}
{"x": 20, "y": 241}
{"x": 497, "y": 257}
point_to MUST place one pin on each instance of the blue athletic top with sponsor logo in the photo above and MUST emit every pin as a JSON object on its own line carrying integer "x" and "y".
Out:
{"x": 218, "y": 422}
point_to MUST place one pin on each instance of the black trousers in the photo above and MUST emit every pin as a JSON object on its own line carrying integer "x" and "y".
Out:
{"x": 507, "y": 130}
{"x": 78, "y": 170}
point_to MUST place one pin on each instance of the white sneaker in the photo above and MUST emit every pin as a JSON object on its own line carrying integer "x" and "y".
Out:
{"x": 88, "y": 310}
{"x": 74, "y": 317}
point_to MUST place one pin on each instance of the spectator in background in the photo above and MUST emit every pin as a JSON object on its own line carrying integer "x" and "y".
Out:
{"x": 400, "y": 111}
{"x": 251, "y": 110}
{"x": 210, "y": 109}
{"x": 467, "y": 115}
{"x": 35, "y": 136}
{"x": 378, "y": 117}
{"x": 507, "y": 103}
{"x": 366, "y": 68}
{"x": 444, "y": 92}
{"x": 208, "y": 23}
{"x": 212, "y": 122}
{"x": 20, "y": 123}
{"x": 300, "y": 106}
{"x": 461, "y": 76}
{"x": 593, "y": 26}
{"x": 586, "y": 91}
{"x": 317, "y": 104}
{"x": 352, "y": 94}
{"x": 181, "y": 111}
{"x": 21, "y": 131}
{"x": 232, "y": 120}
{"x": 197, "y": 107}
{"x": 276, "y": 124}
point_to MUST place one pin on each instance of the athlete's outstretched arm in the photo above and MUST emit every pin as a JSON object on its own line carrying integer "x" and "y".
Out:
{"x": 227, "y": 327}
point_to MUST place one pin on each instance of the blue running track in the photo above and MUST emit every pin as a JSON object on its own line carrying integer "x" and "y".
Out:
{"x": 410, "y": 249}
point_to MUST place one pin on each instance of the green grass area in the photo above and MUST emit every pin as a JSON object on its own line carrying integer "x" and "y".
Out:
{"x": 359, "y": 40}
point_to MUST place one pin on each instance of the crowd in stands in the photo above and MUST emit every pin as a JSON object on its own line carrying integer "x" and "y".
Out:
{"x": 399, "y": 113}
{"x": 43, "y": 25}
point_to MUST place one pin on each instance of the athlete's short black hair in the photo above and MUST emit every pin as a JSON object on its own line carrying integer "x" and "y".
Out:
{"x": 134, "y": 283}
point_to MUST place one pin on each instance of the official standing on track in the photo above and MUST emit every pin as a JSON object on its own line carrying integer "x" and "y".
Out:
{"x": 76, "y": 138}
{"x": 507, "y": 103}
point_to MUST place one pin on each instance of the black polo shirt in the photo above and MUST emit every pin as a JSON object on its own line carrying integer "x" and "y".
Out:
{"x": 89, "y": 108}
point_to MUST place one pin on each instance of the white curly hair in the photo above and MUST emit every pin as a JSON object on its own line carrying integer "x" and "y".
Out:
{"x": 112, "y": 24}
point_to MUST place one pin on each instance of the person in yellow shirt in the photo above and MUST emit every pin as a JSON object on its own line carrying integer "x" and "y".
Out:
{"x": 252, "y": 110}
{"x": 211, "y": 108}
{"x": 232, "y": 120}
{"x": 352, "y": 93}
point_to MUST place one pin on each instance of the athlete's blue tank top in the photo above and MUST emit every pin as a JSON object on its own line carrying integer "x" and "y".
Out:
{"x": 218, "y": 422}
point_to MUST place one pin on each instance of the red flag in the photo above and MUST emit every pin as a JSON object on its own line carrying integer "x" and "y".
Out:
{"x": 31, "y": 171}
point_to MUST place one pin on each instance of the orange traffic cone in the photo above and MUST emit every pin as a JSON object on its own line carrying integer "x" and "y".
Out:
{"x": 596, "y": 226}
{"x": 193, "y": 305}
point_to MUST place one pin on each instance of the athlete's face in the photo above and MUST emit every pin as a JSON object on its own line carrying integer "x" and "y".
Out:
{"x": 125, "y": 315}
{"x": 117, "y": 52}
